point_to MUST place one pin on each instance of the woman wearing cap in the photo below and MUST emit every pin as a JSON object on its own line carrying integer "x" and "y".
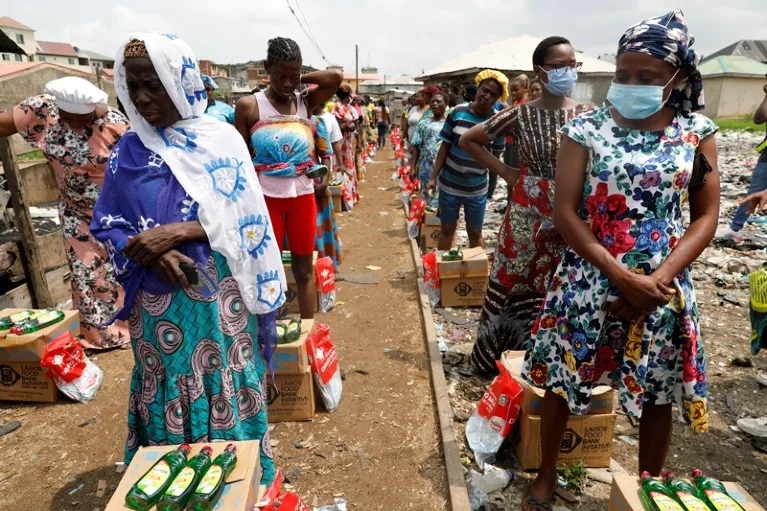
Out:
{"x": 275, "y": 123}
{"x": 528, "y": 246}
{"x": 75, "y": 130}
{"x": 621, "y": 307}
{"x": 180, "y": 204}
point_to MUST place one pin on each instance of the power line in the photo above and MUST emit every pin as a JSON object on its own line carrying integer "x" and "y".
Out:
{"x": 306, "y": 29}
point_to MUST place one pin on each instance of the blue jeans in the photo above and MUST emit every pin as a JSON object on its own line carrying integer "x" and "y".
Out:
{"x": 758, "y": 184}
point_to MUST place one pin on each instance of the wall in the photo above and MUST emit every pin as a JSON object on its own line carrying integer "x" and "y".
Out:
{"x": 30, "y": 44}
{"x": 732, "y": 96}
{"x": 592, "y": 88}
{"x": 17, "y": 87}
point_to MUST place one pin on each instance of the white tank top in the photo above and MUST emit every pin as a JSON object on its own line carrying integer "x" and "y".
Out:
{"x": 282, "y": 187}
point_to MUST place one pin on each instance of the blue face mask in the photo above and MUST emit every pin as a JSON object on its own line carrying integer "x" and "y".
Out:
{"x": 637, "y": 101}
{"x": 561, "y": 81}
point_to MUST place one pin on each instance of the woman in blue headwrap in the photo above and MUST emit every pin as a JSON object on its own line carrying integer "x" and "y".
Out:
{"x": 621, "y": 308}
{"x": 215, "y": 108}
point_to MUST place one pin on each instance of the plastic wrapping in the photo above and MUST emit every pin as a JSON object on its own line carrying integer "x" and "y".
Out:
{"x": 325, "y": 368}
{"x": 415, "y": 218}
{"x": 431, "y": 277}
{"x": 325, "y": 276}
{"x": 496, "y": 413}
{"x": 73, "y": 373}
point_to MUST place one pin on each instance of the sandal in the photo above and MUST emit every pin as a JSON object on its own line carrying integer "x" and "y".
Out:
{"x": 294, "y": 330}
{"x": 535, "y": 504}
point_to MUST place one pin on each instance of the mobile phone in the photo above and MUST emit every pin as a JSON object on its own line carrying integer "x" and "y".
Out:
{"x": 190, "y": 270}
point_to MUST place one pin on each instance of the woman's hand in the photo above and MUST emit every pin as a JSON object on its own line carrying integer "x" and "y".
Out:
{"x": 168, "y": 267}
{"x": 643, "y": 293}
{"x": 152, "y": 243}
{"x": 756, "y": 201}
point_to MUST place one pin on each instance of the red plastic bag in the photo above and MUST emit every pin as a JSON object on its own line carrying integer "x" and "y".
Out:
{"x": 496, "y": 413}
{"x": 64, "y": 358}
{"x": 325, "y": 277}
{"x": 431, "y": 276}
{"x": 291, "y": 502}
{"x": 272, "y": 494}
{"x": 324, "y": 362}
{"x": 414, "y": 220}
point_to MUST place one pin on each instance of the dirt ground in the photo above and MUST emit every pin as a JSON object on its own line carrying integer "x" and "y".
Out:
{"x": 380, "y": 450}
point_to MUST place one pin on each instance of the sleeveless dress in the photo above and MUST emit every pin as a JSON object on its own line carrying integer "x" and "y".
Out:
{"x": 636, "y": 185}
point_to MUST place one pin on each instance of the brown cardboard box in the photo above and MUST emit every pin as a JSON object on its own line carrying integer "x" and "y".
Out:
{"x": 430, "y": 229}
{"x": 602, "y": 397}
{"x": 463, "y": 283}
{"x": 625, "y": 495}
{"x": 296, "y": 401}
{"x": 291, "y": 295}
{"x": 587, "y": 436}
{"x": 292, "y": 358}
{"x": 21, "y": 377}
{"x": 240, "y": 492}
{"x": 336, "y": 194}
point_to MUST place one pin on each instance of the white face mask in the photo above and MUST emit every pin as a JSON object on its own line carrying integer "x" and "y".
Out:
{"x": 638, "y": 101}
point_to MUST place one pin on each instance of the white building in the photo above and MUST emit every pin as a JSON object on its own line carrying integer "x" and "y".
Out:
{"x": 22, "y": 35}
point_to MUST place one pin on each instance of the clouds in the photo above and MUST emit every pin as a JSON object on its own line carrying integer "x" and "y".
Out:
{"x": 401, "y": 36}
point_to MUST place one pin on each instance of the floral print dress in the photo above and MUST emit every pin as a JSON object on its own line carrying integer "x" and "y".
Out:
{"x": 635, "y": 188}
{"x": 78, "y": 158}
{"x": 426, "y": 139}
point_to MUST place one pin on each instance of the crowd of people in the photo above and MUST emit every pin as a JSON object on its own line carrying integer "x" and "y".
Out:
{"x": 593, "y": 282}
{"x": 176, "y": 210}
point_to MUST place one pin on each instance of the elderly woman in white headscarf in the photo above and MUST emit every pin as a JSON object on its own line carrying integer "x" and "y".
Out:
{"x": 75, "y": 130}
{"x": 184, "y": 219}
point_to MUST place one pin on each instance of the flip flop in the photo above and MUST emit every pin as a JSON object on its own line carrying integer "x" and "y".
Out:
{"x": 536, "y": 504}
{"x": 761, "y": 379}
{"x": 294, "y": 330}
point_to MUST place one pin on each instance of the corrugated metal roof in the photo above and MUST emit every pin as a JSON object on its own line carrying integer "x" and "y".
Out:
{"x": 18, "y": 67}
{"x": 7, "y": 22}
{"x": 512, "y": 54}
{"x": 95, "y": 56}
{"x": 733, "y": 64}
{"x": 54, "y": 48}
{"x": 751, "y": 48}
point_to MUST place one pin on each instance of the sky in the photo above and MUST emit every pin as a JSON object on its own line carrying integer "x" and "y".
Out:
{"x": 397, "y": 36}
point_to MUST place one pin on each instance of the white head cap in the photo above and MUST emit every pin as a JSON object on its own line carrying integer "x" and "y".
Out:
{"x": 76, "y": 95}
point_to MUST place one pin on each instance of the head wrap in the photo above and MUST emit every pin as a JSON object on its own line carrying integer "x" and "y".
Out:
{"x": 76, "y": 95}
{"x": 431, "y": 90}
{"x": 207, "y": 80}
{"x": 492, "y": 74}
{"x": 213, "y": 165}
{"x": 667, "y": 38}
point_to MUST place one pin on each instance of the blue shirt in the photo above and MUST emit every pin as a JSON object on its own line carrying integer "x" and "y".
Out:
{"x": 221, "y": 111}
{"x": 461, "y": 175}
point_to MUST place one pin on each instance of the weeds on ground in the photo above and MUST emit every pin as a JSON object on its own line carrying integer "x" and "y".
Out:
{"x": 574, "y": 475}
{"x": 742, "y": 123}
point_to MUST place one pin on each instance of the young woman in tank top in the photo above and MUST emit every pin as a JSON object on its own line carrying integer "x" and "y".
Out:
{"x": 275, "y": 125}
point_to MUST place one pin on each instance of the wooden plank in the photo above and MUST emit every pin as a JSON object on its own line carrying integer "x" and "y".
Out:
{"x": 23, "y": 220}
{"x": 20, "y": 146}
{"x": 52, "y": 251}
{"x": 459, "y": 494}
{"x": 39, "y": 183}
{"x": 59, "y": 283}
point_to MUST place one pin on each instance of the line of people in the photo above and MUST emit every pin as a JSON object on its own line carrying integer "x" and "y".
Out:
{"x": 593, "y": 282}
{"x": 175, "y": 214}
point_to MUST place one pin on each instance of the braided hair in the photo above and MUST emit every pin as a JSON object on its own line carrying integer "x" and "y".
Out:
{"x": 282, "y": 49}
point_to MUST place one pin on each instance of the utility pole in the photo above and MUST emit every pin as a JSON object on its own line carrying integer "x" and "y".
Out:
{"x": 357, "y": 67}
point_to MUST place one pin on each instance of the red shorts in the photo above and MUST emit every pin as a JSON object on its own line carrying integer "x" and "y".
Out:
{"x": 296, "y": 217}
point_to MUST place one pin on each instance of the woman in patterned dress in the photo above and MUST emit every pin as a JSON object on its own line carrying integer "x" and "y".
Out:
{"x": 621, "y": 306}
{"x": 181, "y": 198}
{"x": 528, "y": 247}
{"x": 345, "y": 116}
{"x": 77, "y": 146}
{"x": 426, "y": 142}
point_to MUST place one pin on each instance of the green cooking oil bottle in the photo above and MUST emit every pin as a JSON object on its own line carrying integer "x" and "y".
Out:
{"x": 180, "y": 490}
{"x": 150, "y": 487}
{"x": 656, "y": 497}
{"x": 212, "y": 484}
{"x": 684, "y": 492}
{"x": 713, "y": 492}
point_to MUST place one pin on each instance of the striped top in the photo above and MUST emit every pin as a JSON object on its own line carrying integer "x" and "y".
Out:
{"x": 461, "y": 175}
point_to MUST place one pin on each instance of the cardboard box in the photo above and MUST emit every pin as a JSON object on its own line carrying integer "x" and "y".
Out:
{"x": 292, "y": 358}
{"x": 625, "y": 495}
{"x": 21, "y": 377}
{"x": 464, "y": 283}
{"x": 602, "y": 397}
{"x": 430, "y": 229}
{"x": 296, "y": 401}
{"x": 587, "y": 436}
{"x": 336, "y": 194}
{"x": 291, "y": 295}
{"x": 243, "y": 483}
